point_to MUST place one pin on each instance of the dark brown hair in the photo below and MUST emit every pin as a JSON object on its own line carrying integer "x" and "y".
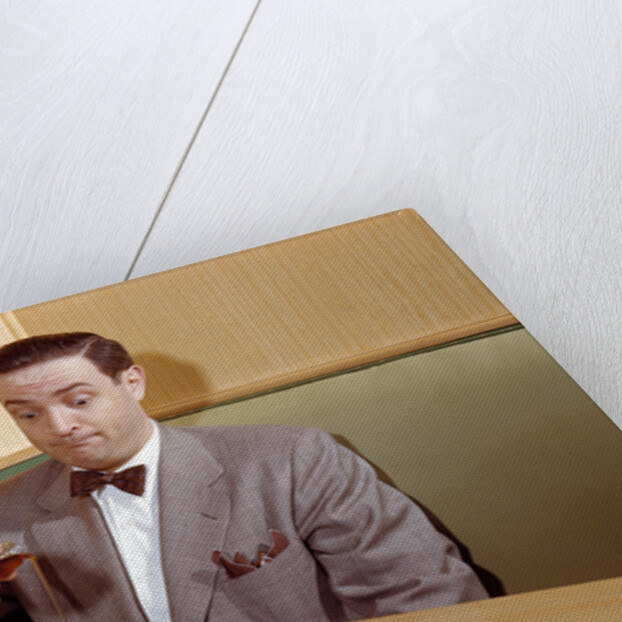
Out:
{"x": 109, "y": 356}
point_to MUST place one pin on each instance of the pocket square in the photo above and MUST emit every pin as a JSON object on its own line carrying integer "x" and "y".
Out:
{"x": 241, "y": 565}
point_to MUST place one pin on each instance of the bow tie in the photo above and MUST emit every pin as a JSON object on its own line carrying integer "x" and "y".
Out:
{"x": 132, "y": 480}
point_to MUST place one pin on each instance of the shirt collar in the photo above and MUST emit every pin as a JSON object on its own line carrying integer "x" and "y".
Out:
{"x": 149, "y": 455}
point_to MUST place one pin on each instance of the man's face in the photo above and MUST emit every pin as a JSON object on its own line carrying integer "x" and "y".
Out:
{"x": 74, "y": 413}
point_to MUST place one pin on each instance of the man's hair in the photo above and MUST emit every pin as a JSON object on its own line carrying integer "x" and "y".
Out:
{"x": 109, "y": 356}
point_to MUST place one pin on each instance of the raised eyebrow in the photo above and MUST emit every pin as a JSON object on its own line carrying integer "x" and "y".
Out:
{"x": 11, "y": 402}
{"x": 71, "y": 387}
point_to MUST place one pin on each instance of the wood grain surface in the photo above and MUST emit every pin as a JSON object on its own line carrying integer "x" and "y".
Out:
{"x": 598, "y": 601}
{"x": 282, "y": 313}
{"x": 499, "y": 122}
{"x": 15, "y": 447}
{"x": 99, "y": 102}
{"x": 315, "y": 125}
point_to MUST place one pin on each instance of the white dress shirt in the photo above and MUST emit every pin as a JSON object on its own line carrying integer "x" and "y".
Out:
{"x": 134, "y": 523}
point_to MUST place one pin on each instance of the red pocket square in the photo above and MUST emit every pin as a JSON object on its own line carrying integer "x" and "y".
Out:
{"x": 241, "y": 566}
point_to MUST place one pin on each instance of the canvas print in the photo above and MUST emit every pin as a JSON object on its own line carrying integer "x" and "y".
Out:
{"x": 339, "y": 426}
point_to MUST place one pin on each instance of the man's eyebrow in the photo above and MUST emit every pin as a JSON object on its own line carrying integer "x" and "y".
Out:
{"x": 75, "y": 385}
{"x": 9, "y": 402}
{"x": 71, "y": 387}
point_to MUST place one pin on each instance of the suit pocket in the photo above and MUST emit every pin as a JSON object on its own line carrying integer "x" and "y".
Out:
{"x": 285, "y": 588}
{"x": 268, "y": 573}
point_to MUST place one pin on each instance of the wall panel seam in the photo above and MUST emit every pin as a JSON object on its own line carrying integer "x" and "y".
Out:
{"x": 191, "y": 143}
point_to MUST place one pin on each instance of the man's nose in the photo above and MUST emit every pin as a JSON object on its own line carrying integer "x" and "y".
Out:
{"x": 62, "y": 421}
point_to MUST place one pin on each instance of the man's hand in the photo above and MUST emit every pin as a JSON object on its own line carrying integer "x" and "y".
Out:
{"x": 8, "y": 563}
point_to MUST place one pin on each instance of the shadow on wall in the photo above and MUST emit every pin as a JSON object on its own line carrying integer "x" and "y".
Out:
{"x": 490, "y": 581}
{"x": 170, "y": 379}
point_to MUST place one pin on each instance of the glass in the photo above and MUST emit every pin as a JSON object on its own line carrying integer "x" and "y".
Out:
{"x": 12, "y": 557}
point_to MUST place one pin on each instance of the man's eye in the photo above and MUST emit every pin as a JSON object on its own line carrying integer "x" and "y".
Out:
{"x": 27, "y": 415}
{"x": 81, "y": 401}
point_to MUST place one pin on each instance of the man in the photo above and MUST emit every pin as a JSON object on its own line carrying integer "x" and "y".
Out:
{"x": 231, "y": 524}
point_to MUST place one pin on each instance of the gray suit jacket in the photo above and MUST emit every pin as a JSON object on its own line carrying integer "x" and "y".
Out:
{"x": 357, "y": 548}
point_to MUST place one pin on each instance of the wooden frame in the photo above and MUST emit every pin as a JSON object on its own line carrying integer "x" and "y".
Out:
{"x": 276, "y": 314}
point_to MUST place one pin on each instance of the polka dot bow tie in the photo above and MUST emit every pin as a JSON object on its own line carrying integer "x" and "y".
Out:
{"x": 132, "y": 480}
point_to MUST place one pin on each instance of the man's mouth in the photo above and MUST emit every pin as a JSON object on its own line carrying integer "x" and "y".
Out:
{"x": 75, "y": 442}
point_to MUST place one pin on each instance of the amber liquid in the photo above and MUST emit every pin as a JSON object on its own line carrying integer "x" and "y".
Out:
{"x": 10, "y": 563}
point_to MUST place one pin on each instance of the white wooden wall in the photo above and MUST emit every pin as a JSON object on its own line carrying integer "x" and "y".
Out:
{"x": 140, "y": 136}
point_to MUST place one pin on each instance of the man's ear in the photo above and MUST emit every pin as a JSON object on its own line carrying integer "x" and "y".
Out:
{"x": 134, "y": 379}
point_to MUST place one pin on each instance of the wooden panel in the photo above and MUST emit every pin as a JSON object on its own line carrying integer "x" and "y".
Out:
{"x": 499, "y": 121}
{"x": 99, "y": 102}
{"x": 285, "y": 312}
{"x": 597, "y": 601}
{"x": 14, "y": 447}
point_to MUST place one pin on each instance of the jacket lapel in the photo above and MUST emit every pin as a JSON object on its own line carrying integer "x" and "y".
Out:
{"x": 80, "y": 560}
{"x": 194, "y": 515}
